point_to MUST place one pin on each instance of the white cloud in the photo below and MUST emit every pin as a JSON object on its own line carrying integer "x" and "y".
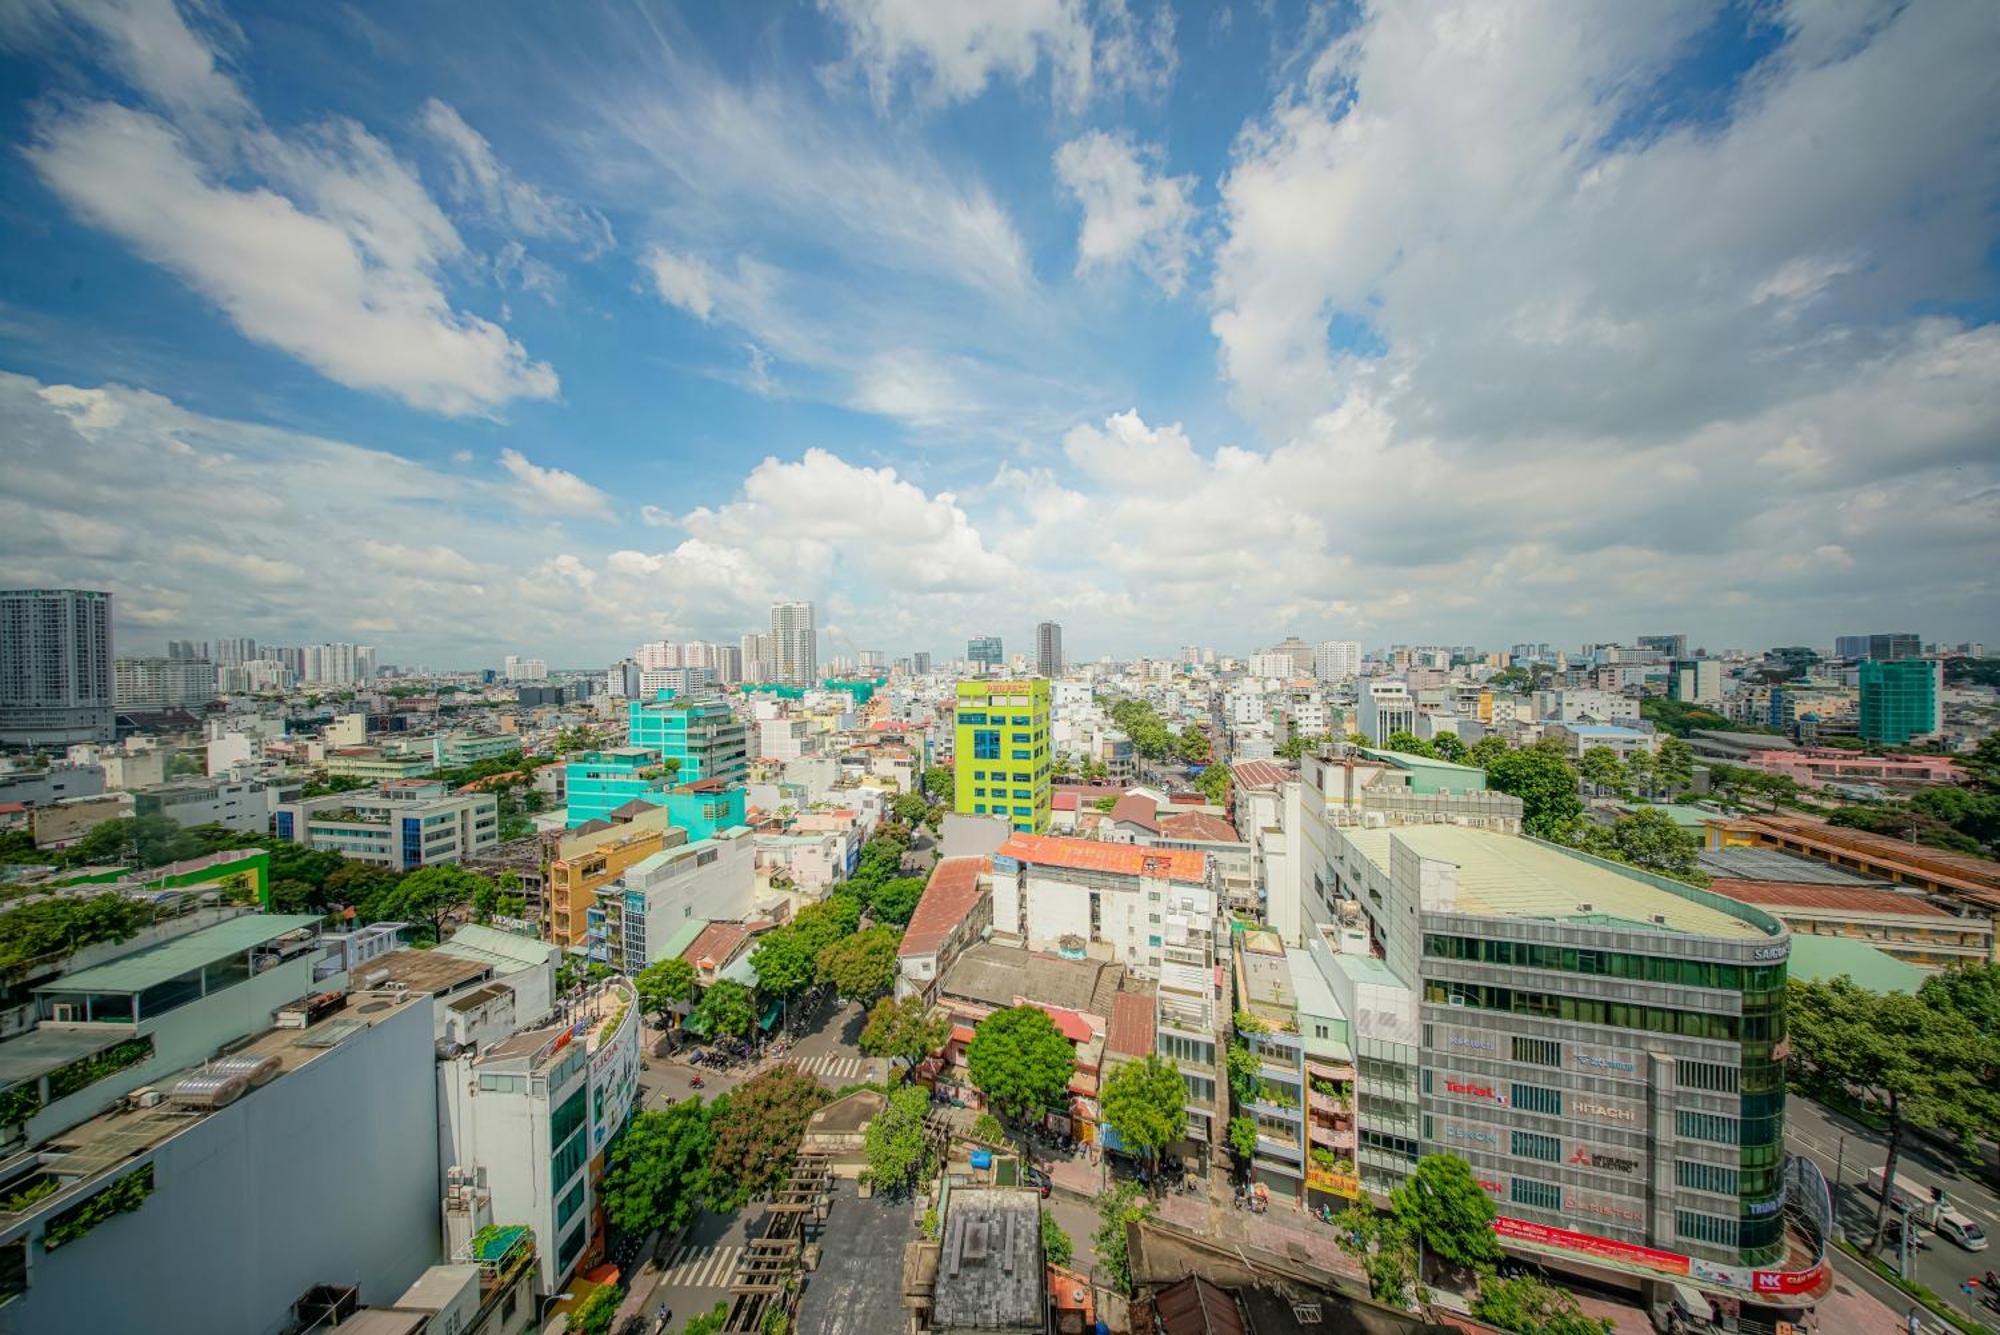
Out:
{"x": 323, "y": 245}
{"x": 436, "y": 561}
{"x": 683, "y": 281}
{"x": 554, "y": 490}
{"x": 950, "y": 50}
{"x": 1131, "y": 211}
{"x": 480, "y": 179}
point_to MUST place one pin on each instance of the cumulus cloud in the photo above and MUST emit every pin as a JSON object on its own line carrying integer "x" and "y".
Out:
{"x": 950, "y": 50}
{"x": 1132, "y": 212}
{"x": 553, "y": 490}
{"x": 324, "y": 244}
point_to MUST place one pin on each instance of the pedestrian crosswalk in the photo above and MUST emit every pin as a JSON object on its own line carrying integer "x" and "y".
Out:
{"x": 837, "y": 1070}
{"x": 702, "y": 1267}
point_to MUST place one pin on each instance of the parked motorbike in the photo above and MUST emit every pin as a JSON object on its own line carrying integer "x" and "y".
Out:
{"x": 696, "y": 1082}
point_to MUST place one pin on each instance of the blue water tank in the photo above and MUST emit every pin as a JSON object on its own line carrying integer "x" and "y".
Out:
{"x": 982, "y": 1159}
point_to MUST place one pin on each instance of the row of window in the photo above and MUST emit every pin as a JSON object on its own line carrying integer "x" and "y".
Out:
{"x": 1619, "y": 1014}
{"x": 1705, "y": 1177}
{"x": 979, "y": 809}
{"x": 967, "y": 719}
{"x": 1534, "y": 1145}
{"x": 1607, "y": 963}
{"x": 1693, "y": 1226}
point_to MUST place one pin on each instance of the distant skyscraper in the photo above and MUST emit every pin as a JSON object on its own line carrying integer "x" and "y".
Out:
{"x": 524, "y": 669}
{"x": 756, "y": 661}
{"x": 1695, "y": 681}
{"x": 1048, "y": 649}
{"x": 985, "y": 651}
{"x": 1337, "y": 660}
{"x": 794, "y": 644}
{"x": 659, "y": 654}
{"x": 234, "y": 652}
{"x": 1883, "y": 648}
{"x": 920, "y": 664}
{"x": 1900, "y": 699}
{"x": 164, "y": 683}
{"x": 1666, "y": 646}
{"x": 56, "y": 683}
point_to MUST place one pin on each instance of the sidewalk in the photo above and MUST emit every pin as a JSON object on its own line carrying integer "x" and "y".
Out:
{"x": 1279, "y": 1230}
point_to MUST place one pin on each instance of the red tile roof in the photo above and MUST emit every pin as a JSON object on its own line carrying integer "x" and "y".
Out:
{"x": 1047, "y": 850}
{"x": 1131, "y": 1031}
{"x": 719, "y": 943}
{"x": 1260, "y": 773}
{"x": 1063, "y": 802}
{"x": 1071, "y": 1025}
{"x": 950, "y": 896}
{"x": 1137, "y": 810}
{"x": 1199, "y": 825}
{"x": 1782, "y": 895}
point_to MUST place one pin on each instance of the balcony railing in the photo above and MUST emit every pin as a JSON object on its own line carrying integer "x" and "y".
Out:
{"x": 1332, "y": 1137}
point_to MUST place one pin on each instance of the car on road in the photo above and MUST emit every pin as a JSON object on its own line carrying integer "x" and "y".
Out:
{"x": 1955, "y": 1227}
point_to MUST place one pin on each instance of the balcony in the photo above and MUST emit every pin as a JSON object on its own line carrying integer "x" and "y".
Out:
{"x": 1329, "y": 1105}
{"x": 1331, "y": 1135}
{"x": 1187, "y": 1015}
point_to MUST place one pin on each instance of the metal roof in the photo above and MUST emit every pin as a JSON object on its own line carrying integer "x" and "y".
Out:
{"x": 489, "y": 945}
{"x": 1774, "y": 864}
{"x": 40, "y": 1051}
{"x": 170, "y": 959}
{"x": 1509, "y": 876}
{"x": 1822, "y": 958}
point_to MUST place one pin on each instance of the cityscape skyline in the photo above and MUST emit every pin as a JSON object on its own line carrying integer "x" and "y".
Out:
{"x": 752, "y": 309}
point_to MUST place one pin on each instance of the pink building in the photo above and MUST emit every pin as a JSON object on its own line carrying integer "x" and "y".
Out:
{"x": 1813, "y": 766}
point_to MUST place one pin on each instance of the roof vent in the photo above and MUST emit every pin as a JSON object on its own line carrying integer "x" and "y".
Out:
{"x": 1660, "y": 918}
{"x": 1584, "y": 908}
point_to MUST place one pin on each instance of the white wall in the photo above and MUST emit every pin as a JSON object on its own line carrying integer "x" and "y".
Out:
{"x": 327, "y": 1174}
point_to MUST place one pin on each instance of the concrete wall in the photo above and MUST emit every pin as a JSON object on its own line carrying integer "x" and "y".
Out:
{"x": 328, "y": 1174}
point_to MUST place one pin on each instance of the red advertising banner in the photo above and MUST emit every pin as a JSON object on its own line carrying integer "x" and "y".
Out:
{"x": 1789, "y": 1282}
{"x": 1610, "y": 1249}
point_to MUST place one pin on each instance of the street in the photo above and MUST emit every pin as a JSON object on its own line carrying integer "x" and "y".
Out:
{"x": 1833, "y": 1141}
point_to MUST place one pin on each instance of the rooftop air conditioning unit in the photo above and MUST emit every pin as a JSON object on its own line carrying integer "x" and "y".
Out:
{"x": 146, "y": 1097}
{"x": 1660, "y": 918}
{"x": 1584, "y": 908}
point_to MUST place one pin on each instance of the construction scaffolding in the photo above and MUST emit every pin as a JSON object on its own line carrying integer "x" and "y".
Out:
{"x": 786, "y": 1243}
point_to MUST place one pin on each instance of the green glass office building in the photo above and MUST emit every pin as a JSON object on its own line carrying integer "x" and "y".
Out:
{"x": 1899, "y": 700}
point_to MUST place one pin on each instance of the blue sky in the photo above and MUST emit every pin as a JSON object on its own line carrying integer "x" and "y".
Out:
{"x": 555, "y": 329}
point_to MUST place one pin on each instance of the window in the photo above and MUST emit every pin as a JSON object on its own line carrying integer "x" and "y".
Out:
{"x": 568, "y": 1117}
{"x": 567, "y": 1207}
{"x": 1536, "y": 1099}
{"x": 571, "y": 1245}
{"x": 1705, "y": 1075}
{"x": 969, "y": 719}
{"x": 1319, "y": 1031}
{"x": 986, "y": 744}
{"x": 1531, "y": 1145}
{"x": 1539, "y": 1051}
{"x": 1707, "y": 1126}
{"x": 1705, "y": 1177}
{"x": 979, "y": 808}
{"x": 1697, "y": 1227}
{"x": 568, "y": 1159}
{"x": 1539, "y": 1195}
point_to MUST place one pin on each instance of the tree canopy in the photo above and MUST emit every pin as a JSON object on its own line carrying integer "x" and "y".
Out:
{"x": 1020, "y": 1061}
{"x": 657, "y": 1169}
{"x": 1920, "y": 1061}
{"x": 897, "y": 1147}
{"x": 725, "y": 1009}
{"x": 664, "y": 985}
{"x": 758, "y": 1127}
{"x": 1447, "y": 746}
{"x": 895, "y": 900}
{"x": 1409, "y": 744}
{"x": 1213, "y": 784}
{"x": 1600, "y": 767}
{"x": 1546, "y": 786}
{"x": 1124, "y": 1204}
{"x": 1145, "y": 1102}
{"x": 861, "y": 967}
{"x": 46, "y": 926}
{"x": 1443, "y": 1203}
{"x": 904, "y": 1030}
{"x": 1527, "y": 1306}
{"x": 1647, "y": 839}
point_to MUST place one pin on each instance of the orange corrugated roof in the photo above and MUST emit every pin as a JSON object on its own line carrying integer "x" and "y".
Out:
{"x": 951, "y": 894}
{"x": 1834, "y": 898}
{"x": 1048, "y": 850}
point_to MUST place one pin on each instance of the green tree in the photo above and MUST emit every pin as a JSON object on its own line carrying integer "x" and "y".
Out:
{"x": 1213, "y": 784}
{"x": 1971, "y": 990}
{"x": 1057, "y": 1249}
{"x": 895, "y": 900}
{"x": 1020, "y": 1061}
{"x": 1915, "y": 1063}
{"x": 1124, "y": 1204}
{"x": 758, "y": 1127}
{"x": 664, "y": 985}
{"x": 1449, "y": 747}
{"x": 1673, "y": 764}
{"x": 786, "y": 961}
{"x": 1546, "y": 786}
{"x": 1488, "y": 749}
{"x": 904, "y": 1031}
{"x": 61, "y": 925}
{"x": 1192, "y": 745}
{"x": 1384, "y": 1250}
{"x": 1105, "y": 803}
{"x": 909, "y": 808}
{"x": 1409, "y": 744}
{"x": 1600, "y": 767}
{"x": 594, "y": 1315}
{"x": 1649, "y": 839}
{"x": 898, "y": 1148}
{"x": 1243, "y": 1137}
{"x": 428, "y": 895}
{"x": 862, "y": 967}
{"x": 725, "y": 1009}
{"x": 710, "y": 1322}
{"x": 1443, "y": 1203}
{"x": 1145, "y": 1102}
{"x": 1527, "y": 1306}
{"x": 657, "y": 1169}
{"x": 986, "y": 1129}
{"x": 938, "y": 783}
{"x": 1244, "y": 1080}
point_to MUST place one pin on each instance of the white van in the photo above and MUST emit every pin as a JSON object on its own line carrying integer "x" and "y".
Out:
{"x": 1965, "y": 1232}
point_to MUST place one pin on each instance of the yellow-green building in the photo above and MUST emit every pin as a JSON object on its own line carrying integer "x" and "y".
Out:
{"x": 1002, "y": 754}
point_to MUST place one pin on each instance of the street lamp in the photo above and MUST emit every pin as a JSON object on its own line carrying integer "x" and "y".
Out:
{"x": 542, "y": 1313}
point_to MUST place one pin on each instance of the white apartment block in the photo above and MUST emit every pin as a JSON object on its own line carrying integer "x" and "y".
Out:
{"x": 1385, "y": 708}
{"x": 405, "y": 824}
{"x": 514, "y": 668}
{"x": 1152, "y": 910}
{"x": 1337, "y": 660}
{"x": 1581, "y": 705}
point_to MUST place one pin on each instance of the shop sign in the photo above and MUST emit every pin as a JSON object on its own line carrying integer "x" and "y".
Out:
{"x": 1473, "y": 1044}
{"x": 1610, "y": 1249}
{"x": 1609, "y": 1111}
{"x": 1584, "y": 1157}
{"x": 1592, "y": 1061}
{"x": 1453, "y": 1131}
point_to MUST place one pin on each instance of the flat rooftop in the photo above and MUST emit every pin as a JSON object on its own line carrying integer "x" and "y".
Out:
{"x": 1774, "y": 864}
{"x": 989, "y": 1274}
{"x": 1508, "y": 876}
{"x": 170, "y": 959}
{"x": 430, "y": 972}
{"x": 110, "y": 1139}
